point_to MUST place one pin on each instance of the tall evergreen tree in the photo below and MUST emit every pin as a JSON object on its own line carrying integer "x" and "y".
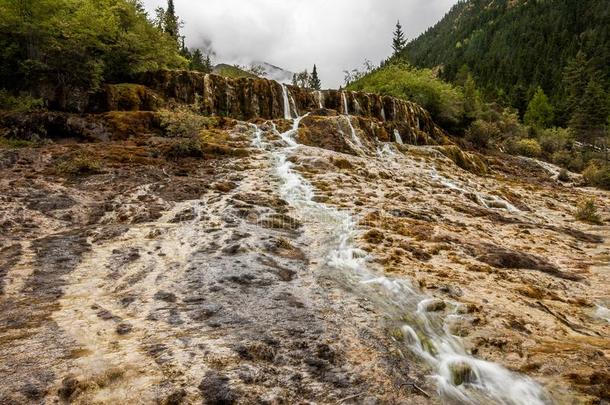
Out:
{"x": 540, "y": 113}
{"x": 399, "y": 41}
{"x": 590, "y": 115}
{"x": 171, "y": 24}
{"x": 575, "y": 80}
{"x": 314, "y": 80}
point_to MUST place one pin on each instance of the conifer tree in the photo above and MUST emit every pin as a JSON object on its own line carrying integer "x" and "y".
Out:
{"x": 171, "y": 23}
{"x": 575, "y": 79}
{"x": 399, "y": 41}
{"x": 314, "y": 80}
{"x": 590, "y": 115}
{"x": 540, "y": 113}
{"x": 472, "y": 98}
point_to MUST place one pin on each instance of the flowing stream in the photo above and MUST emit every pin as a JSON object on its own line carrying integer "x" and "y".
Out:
{"x": 426, "y": 322}
{"x": 398, "y": 137}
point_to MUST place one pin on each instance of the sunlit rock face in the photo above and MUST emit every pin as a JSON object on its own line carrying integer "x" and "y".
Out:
{"x": 209, "y": 250}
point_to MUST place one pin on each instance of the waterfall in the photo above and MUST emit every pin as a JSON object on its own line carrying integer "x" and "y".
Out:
{"x": 459, "y": 376}
{"x": 345, "y": 107}
{"x": 287, "y": 112}
{"x": 383, "y": 113}
{"x": 355, "y": 138}
{"x": 357, "y": 106}
{"x": 320, "y": 99}
{"x": 397, "y": 137}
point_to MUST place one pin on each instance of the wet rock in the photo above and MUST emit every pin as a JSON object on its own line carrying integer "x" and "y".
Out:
{"x": 205, "y": 312}
{"x": 233, "y": 249}
{"x": 105, "y": 315}
{"x": 124, "y": 328}
{"x": 503, "y": 258}
{"x": 175, "y": 398}
{"x": 46, "y": 203}
{"x": 165, "y": 296}
{"x": 69, "y": 386}
{"x": 435, "y": 305}
{"x": 216, "y": 390}
{"x": 256, "y": 351}
{"x": 461, "y": 373}
{"x": 33, "y": 391}
{"x": 184, "y": 216}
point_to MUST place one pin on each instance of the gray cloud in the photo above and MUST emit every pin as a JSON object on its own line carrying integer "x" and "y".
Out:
{"x": 337, "y": 35}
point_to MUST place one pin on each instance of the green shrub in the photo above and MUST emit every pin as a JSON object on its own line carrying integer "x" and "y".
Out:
{"x": 183, "y": 123}
{"x": 587, "y": 212}
{"x": 563, "y": 176}
{"x": 444, "y": 102}
{"x": 527, "y": 147}
{"x": 15, "y": 143}
{"x": 554, "y": 139}
{"x": 481, "y": 132}
{"x": 597, "y": 174}
{"x": 79, "y": 165}
{"x": 18, "y": 103}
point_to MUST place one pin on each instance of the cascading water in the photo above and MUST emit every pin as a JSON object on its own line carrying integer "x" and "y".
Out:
{"x": 459, "y": 376}
{"x": 344, "y": 102}
{"x": 397, "y": 137}
{"x": 287, "y": 112}
{"x": 320, "y": 97}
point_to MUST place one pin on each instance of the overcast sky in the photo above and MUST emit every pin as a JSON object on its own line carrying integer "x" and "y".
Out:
{"x": 336, "y": 35}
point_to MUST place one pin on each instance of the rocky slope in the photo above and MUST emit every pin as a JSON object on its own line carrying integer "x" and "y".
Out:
{"x": 159, "y": 254}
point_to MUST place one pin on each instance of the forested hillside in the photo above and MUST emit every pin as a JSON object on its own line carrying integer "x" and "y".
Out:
{"x": 514, "y": 46}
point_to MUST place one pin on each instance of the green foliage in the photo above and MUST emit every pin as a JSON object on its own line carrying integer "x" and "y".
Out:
{"x": 184, "y": 123}
{"x": 527, "y": 147}
{"x": 597, "y": 174}
{"x": 171, "y": 24}
{"x": 563, "y": 175}
{"x": 516, "y": 46}
{"x": 472, "y": 98}
{"x": 587, "y": 212}
{"x": 399, "y": 41}
{"x": 59, "y": 47}
{"x": 444, "y": 102}
{"x": 554, "y": 139}
{"x": 11, "y": 143}
{"x": 481, "y": 133}
{"x": 80, "y": 164}
{"x": 314, "y": 80}
{"x": 590, "y": 113}
{"x": 18, "y": 103}
{"x": 232, "y": 71}
{"x": 540, "y": 113}
{"x": 200, "y": 63}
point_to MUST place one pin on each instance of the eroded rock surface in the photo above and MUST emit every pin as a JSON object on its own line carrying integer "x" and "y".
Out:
{"x": 151, "y": 269}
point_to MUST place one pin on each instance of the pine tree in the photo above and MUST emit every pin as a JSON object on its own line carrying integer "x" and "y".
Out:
{"x": 197, "y": 62}
{"x": 590, "y": 115}
{"x": 399, "y": 41}
{"x": 540, "y": 113}
{"x": 472, "y": 98}
{"x": 575, "y": 79}
{"x": 314, "y": 80}
{"x": 171, "y": 23}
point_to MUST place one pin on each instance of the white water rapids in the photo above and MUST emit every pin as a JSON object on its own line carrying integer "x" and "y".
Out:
{"x": 459, "y": 376}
